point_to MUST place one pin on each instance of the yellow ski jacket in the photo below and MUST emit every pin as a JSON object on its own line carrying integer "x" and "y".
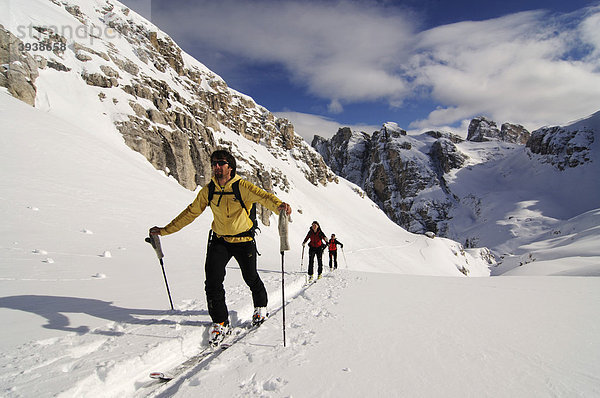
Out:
{"x": 229, "y": 218}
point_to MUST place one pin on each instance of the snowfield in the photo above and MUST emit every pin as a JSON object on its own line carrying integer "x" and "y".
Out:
{"x": 86, "y": 311}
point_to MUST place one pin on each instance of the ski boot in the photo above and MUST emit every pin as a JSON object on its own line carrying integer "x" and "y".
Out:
{"x": 218, "y": 332}
{"x": 260, "y": 314}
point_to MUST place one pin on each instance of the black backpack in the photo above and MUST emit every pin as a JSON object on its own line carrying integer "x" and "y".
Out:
{"x": 236, "y": 192}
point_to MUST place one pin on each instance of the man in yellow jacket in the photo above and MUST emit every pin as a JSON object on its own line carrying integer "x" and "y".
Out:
{"x": 231, "y": 236}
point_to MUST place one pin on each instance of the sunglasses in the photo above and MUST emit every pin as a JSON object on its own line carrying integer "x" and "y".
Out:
{"x": 219, "y": 162}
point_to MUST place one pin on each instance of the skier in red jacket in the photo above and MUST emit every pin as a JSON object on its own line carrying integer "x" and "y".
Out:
{"x": 318, "y": 242}
{"x": 333, "y": 242}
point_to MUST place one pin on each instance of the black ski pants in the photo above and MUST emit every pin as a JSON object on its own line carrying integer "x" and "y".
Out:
{"x": 312, "y": 253}
{"x": 333, "y": 258}
{"x": 219, "y": 254}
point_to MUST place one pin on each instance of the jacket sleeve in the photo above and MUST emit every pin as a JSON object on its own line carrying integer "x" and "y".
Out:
{"x": 189, "y": 214}
{"x": 253, "y": 194}
{"x": 307, "y": 238}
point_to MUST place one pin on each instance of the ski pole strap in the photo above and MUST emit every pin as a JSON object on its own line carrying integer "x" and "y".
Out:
{"x": 154, "y": 240}
{"x": 284, "y": 243}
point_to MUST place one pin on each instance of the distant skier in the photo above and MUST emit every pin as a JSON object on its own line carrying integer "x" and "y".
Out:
{"x": 332, "y": 245}
{"x": 232, "y": 235}
{"x": 317, "y": 244}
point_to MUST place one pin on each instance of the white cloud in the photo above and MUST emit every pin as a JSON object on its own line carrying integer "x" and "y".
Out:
{"x": 517, "y": 68}
{"x": 589, "y": 29}
{"x": 335, "y": 106}
{"x": 344, "y": 50}
{"x": 530, "y": 68}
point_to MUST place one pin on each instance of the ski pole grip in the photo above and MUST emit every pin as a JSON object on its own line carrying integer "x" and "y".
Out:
{"x": 154, "y": 240}
{"x": 284, "y": 243}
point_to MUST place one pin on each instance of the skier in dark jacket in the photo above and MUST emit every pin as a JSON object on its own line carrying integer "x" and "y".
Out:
{"x": 332, "y": 245}
{"x": 318, "y": 242}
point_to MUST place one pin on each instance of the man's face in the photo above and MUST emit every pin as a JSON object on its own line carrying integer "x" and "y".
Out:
{"x": 221, "y": 168}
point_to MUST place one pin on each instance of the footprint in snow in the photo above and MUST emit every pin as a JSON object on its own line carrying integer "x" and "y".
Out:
{"x": 274, "y": 384}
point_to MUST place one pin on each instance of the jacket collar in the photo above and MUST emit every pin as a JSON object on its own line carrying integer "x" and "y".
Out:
{"x": 228, "y": 185}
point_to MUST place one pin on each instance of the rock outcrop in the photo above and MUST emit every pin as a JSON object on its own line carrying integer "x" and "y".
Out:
{"x": 177, "y": 108}
{"x": 167, "y": 105}
{"x": 18, "y": 68}
{"x": 407, "y": 175}
{"x": 393, "y": 168}
{"x": 562, "y": 147}
{"x": 482, "y": 129}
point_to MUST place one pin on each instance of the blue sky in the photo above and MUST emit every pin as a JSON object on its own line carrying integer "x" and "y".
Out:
{"x": 428, "y": 64}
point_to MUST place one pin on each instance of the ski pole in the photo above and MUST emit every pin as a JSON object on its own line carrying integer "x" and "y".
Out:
{"x": 283, "y": 295}
{"x": 344, "y": 254}
{"x": 302, "y": 259}
{"x": 283, "y": 246}
{"x": 154, "y": 240}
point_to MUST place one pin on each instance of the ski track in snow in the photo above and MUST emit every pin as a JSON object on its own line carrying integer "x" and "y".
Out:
{"x": 115, "y": 360}
{"x": 304, "y": 309}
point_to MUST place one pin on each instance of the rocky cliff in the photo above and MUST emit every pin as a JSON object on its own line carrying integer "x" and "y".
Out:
{"x": 408, "y": 176}
{"x": 393, "y": 168}
{"x": 167, "y": 105}
{"x": 561, "y": 146}
{"x": 482, "y": 129}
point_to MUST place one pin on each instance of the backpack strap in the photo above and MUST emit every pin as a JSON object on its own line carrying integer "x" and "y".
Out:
{"x": 235, "y": 192}
{"x": 211, "y": 190}
{"x": 251, "y": 213}
{"x": 211, "y": 193}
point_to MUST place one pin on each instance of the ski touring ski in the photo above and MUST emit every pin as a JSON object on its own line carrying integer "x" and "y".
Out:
{"x": 200, "y": 360}
{"x": 195, "y": 363}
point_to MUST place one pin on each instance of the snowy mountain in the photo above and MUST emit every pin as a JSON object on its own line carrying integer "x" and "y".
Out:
{"x": 129, "y": 76}
{"x": 83, "y": 299}
{"x": 465, "y": 190}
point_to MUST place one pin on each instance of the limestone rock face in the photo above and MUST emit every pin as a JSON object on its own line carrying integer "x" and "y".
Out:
{"x": 514, "y": 133}
{"x": 482, "y": 129}
{"x": 393, "y": 168}
{"x": 167, "y": 105}
{"x": 18, "y": 69}
{"x": 563, "y": 148}
{"x": 408, "y": 176}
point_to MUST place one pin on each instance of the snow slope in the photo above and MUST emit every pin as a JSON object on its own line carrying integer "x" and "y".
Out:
{"x": 419, "y": 337}
{"x": 86, "y": 312}
{"x": 83, "y": 293}
{"x": 516, "y": 203}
